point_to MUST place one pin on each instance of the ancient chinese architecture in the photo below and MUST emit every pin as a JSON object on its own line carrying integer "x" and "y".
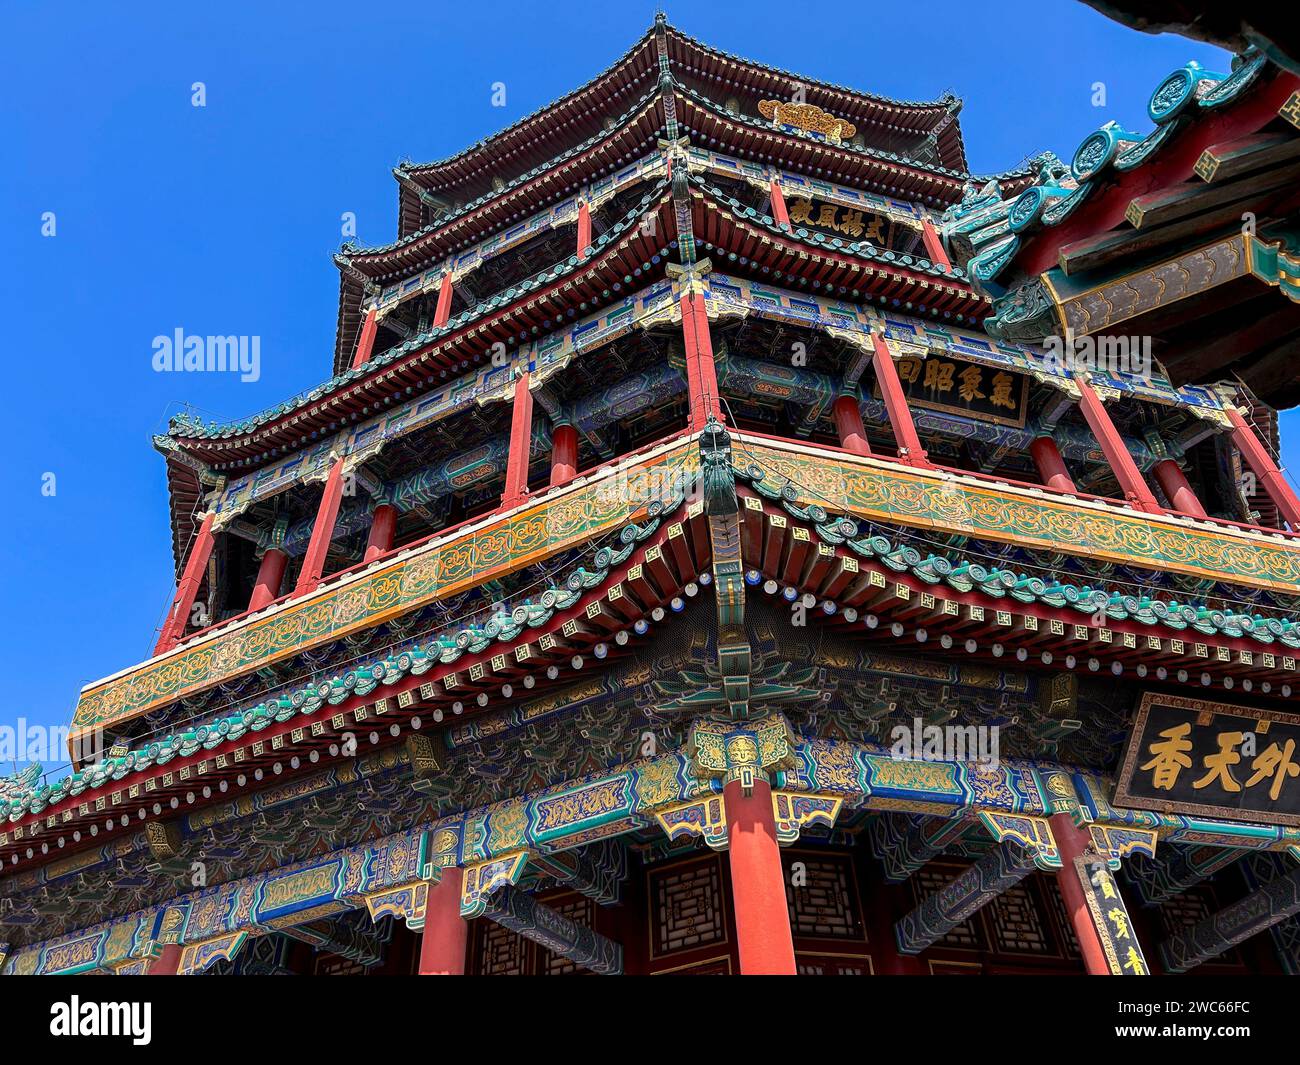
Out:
{"x": 734, "y": 539}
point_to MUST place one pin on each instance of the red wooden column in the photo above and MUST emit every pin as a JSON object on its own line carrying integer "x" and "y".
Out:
{"x": 446, "y": 932}
{"x": 564, "y": 455}
{"x": 322, "y": 532}
{"x": 1265, "y": 469}
{"x": 443, "y": 311}
{"x": 270, "y": 575}
{"x": 584, "y": 228}
{"x": 1051, "y": 466}
{"x": 1131, "y": 482}
{"x": 1177, "y": 490}
{"x": 900, "y": 414}
{"x": 934, "y": 245}
{"x": 1071, "y": 842}
{"x": 757, "y": 882}
{"x": 188, "y": 588}
{"x": 366, "y": 341}
{"x": 168, "y": 962}
{"x": 780, "y": 214}
{"x": 521, "y": 437}
{"x": 848, "y": 424}
{"x": 701, "y": 373}
{"x": 383, "y": 523}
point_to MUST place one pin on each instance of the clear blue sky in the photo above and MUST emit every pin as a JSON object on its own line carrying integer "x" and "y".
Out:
{"x": 222, "y": 219}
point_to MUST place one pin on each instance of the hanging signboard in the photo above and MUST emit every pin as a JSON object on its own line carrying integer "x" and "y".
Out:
{"x": 1212, "y": 759}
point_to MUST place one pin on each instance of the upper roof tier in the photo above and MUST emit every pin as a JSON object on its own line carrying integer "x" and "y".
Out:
{"x": 925, "y": 131}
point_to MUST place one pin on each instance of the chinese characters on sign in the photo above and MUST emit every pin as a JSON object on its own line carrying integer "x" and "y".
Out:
{"x": 848, "y": 221}
{"x": 1110, "y": 918}
{"x": 1215, "y": 759}
{"x": 983, "y": 392}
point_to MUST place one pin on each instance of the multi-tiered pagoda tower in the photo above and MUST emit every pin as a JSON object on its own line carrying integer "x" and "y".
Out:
{"x": 734, "y": 539}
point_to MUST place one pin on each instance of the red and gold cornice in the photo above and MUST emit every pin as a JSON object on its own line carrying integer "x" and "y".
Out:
{"x": 717, "y": 223}
{"x": 655, "y": 573}
{"x": 892, "y": 177}
{"x": 883, "y": 120}
{"x": 870, "y": 488}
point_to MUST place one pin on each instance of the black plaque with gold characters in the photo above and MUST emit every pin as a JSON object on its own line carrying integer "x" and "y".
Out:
{"x": 988, "y": 393}
{"x": 1110, "y": 917}
{"x": 1212, "y": 759}
{"x": 852, "y": 223}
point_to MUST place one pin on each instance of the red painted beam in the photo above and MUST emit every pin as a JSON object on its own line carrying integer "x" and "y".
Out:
{"x": 1265, "y": 469}
{"x": 521, "y": 437}
{"x": 1131, "y": 482}
{"x": 1177, "y": 489}
{"x": 383, "y": 523}
{"x": 188, "y": 588}
{"x": 445, "y": 935}
{"x": 564, "y": 455}
{"x": 701, "y": 372}
{"x": 584, "y": 230}
{"x": 763, "y": 935}
{"x": 780, "y": 214}
{"x": 934, "y": 245}
{"x": 1051, "y": 466}
{"x": 906, "y": 438}
{"x": 848, "y": 424}
{"x": 1071, "y": 842}
{"x": 443, "y": 311}
{"x": 322, "y": 532}
{"x": 270, "y": 577}
{"x": 367, "y": 340}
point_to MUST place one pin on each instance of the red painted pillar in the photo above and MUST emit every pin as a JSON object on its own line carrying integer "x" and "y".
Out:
{"x": 900, "y": 414}
{"x": 167, "y": 963}
{"x": 564, "y": 455}
{"x": 1265, "y": 469}
{"x": 188, "y": 588}
{"x": 757, "y": 883}
{"x": 1072, "y": 841}
{"x": 443, "y": 310}
{"x": 367, "y": 339}
{"x": 383, "y": 523}
{"x": 584, "y": 229}
{"x": 1131, "y": 482}
{"x": 780, "y": 214}
{"x": 446, "y": 932}
{"x": 934, "y": 245}
{"x": 848, "y": 423}
{"x": 701, "y": 373}
{"x": 1176, "y": 488}
{"x": 270, "y": 575}
{"x": 1051, "y": 466}
{"x": 521, "y": 437}
{"x": 322, "y": 532}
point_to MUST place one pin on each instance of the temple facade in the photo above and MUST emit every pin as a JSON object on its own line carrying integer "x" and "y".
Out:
{"x": 733, "y": 538}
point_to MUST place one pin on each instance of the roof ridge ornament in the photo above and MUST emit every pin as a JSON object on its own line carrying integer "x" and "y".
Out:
{"x": 808, "y": 118}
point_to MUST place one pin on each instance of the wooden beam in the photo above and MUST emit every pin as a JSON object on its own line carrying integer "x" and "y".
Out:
{"x": 521, "y": 913}
{"x": 1222, "y": 162}
{"x": 1168, "y": 205}
{"x": 1092, "y": 252}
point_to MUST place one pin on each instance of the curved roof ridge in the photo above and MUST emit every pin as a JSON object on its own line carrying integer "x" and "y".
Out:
{"x": 874, "y": 153}
{"x": 513, "y": 185}
{"x": 942, "y": 103}
{"x": 183, "y": 427}
{"x": 866, "y": 249}
{"x": 641, "y": 42}
{"x": 25, "y": 793}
